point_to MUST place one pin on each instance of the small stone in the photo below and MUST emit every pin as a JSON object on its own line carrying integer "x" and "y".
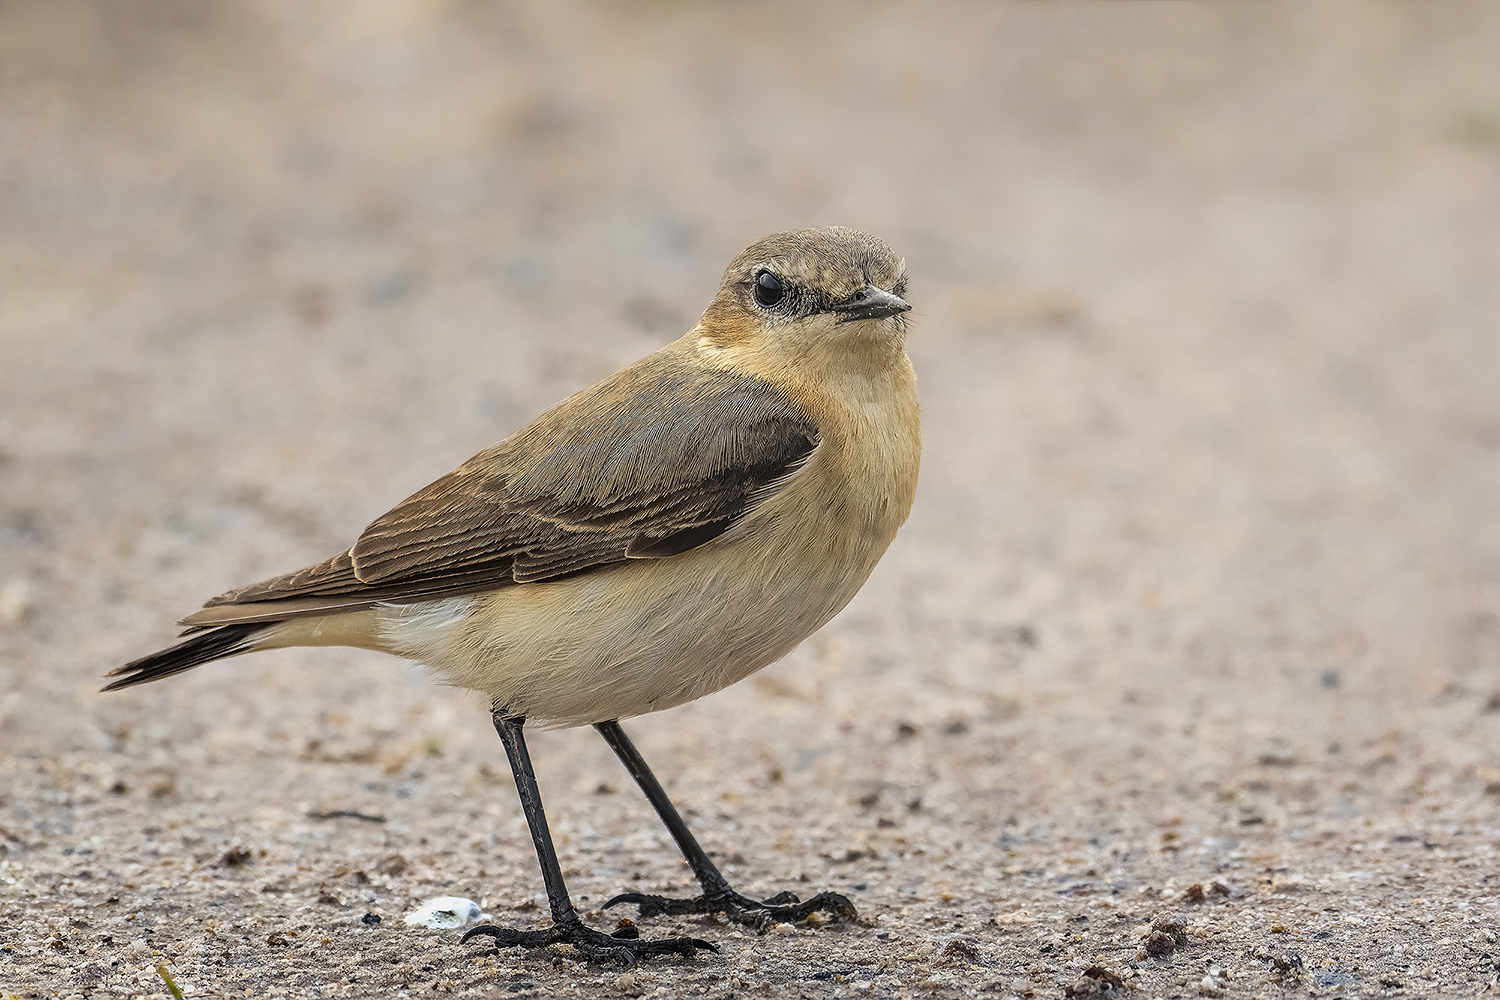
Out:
{"x": 960, "y": 946}
{"x": 235, "y": 857}
{"x": 445, "y": 913}
{"x": 1096, "y": 979}
{"x": 1159, "y": 944}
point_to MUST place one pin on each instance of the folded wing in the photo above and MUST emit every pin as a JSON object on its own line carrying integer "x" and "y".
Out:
{"x": 654, "y": 461}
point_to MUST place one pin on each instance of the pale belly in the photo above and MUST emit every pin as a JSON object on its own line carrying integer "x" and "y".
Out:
{"x": 636, "y": 638}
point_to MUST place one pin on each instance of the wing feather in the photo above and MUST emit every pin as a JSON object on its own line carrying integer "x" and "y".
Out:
{"x": 656, "y": 460}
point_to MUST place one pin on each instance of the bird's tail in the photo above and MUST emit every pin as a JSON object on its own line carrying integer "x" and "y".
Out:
{"x": 213, "y": 644}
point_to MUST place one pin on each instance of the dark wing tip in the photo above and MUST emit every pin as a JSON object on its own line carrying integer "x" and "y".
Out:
{"x": 659, "y": 547}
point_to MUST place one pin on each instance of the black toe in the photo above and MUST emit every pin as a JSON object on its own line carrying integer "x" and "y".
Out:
{"x": 783, "y": 907}
{"x": 594, "y": 946}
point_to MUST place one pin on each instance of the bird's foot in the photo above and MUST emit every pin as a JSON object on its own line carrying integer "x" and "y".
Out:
{"x": 623, "y": 947}
{"x": 762, "y": 915}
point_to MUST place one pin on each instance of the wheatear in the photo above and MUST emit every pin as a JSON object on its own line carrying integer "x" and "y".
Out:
{"x": 652, "y": 539}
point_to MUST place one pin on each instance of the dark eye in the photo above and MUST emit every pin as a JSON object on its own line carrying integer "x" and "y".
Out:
{"x": 768, "y": 290}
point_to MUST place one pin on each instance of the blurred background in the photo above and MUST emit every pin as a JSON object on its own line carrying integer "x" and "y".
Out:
{"x": 1205, "y": 321}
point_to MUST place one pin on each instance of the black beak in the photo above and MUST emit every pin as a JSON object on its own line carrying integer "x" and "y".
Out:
{"x": 870, "y": 303}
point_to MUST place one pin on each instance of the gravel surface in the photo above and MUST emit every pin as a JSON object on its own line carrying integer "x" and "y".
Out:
{"x": 1183, "y": 679}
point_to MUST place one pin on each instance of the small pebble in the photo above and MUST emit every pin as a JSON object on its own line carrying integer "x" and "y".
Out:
{"x": 445, "y": 913}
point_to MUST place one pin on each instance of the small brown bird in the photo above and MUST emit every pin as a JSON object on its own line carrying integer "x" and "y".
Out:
{"x": 650, "y": 540}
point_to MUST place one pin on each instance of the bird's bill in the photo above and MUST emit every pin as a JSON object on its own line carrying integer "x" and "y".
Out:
{"x": 870, "y": 303}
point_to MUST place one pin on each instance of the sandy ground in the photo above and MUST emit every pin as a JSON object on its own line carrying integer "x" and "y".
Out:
{"x": 1186, "y": 667}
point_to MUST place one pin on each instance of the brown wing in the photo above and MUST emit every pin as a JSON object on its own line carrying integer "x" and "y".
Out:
{"x": 658, "y": 459}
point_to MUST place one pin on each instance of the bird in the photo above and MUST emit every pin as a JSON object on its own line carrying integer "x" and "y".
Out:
{"x": 650, "y": 540}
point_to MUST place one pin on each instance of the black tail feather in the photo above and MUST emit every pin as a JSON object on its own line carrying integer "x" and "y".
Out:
{"x": 215, "y": 644}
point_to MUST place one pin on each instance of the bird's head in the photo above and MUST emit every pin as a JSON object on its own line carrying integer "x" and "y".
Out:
{"x": 809, "y": 291}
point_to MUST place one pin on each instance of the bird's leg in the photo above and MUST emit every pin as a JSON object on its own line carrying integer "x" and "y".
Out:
{"x": 594, "y": 946}
{"x": 717, "y": 896}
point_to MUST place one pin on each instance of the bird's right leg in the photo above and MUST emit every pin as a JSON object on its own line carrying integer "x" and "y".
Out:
{"x": 595, "y": 946}
{"x": 717, "y": 896}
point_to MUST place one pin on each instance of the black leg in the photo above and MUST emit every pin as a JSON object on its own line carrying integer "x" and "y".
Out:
{"x": 717, "y": 896}
{"x": 566, "y": 928}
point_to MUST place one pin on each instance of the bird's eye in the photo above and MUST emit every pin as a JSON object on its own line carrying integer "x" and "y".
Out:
{"x": 768, "y": 289}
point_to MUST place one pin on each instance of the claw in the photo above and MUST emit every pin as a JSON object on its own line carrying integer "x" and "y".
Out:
{"x": 594, "y": 946}
{"x": 784, "y": 907}
{"x": 658, "y": 906}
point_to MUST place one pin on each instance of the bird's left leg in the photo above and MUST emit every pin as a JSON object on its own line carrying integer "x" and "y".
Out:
{"x": 595, "y": 946}
{"x": 717, "y": 896}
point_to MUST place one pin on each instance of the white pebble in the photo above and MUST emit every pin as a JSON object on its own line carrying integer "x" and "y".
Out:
{"x": 445, "y": 913}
